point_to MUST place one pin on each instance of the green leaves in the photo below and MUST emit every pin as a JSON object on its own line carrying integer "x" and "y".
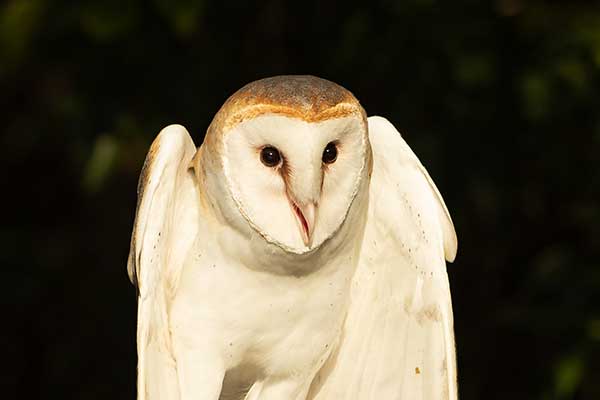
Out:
{"x": 184, "y": 16}
{"x": 109, "y": 20}
{"x": 568, "y": 375}
{"x": 101, "y": 162}
{"x": 19, "y": 21}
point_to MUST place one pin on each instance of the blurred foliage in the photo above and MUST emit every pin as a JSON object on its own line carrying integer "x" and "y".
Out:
{"x": 500, "y": 100}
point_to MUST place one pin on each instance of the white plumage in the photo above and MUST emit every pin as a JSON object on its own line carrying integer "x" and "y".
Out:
{"x": 305, "y": 279}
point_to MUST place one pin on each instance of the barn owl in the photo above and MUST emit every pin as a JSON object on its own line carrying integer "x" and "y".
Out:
{"x": 298, "y": 253}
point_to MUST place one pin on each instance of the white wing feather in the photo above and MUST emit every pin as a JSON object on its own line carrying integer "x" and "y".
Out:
{"x": 398, "y": 340}
{"x": 165, "y": 225}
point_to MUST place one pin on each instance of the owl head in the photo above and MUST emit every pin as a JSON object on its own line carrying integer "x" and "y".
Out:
{"x": 291, "y": 153}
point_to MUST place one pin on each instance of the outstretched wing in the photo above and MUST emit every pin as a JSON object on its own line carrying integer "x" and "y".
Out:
{"x": 166, "y": 223}
{"x": 398, "y": 340}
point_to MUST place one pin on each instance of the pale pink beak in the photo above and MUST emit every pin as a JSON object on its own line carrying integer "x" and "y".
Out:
{"x": 305, "y": 215}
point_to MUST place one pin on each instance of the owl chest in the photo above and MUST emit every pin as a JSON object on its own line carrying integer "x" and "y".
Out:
{"x": 279, "y": 322}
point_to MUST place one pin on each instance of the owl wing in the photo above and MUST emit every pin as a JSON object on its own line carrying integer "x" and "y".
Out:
{"x": 398, "y": 340}
{"x": 166, "y": 223}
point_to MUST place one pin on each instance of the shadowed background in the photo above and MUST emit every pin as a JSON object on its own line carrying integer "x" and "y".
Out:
{"x": 500, "y": 100}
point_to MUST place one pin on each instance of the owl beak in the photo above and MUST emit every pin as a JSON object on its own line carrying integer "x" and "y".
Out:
{"x": 305, "y": 215}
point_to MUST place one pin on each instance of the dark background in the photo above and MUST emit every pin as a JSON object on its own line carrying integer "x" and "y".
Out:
{"x": 500, "y": 100}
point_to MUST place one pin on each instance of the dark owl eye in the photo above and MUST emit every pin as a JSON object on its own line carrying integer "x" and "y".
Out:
{"x": 270, "y": 156}
{"x": 330, "y": 153}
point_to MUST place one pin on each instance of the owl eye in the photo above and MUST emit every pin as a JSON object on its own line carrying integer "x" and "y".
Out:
{"x": 330, "y": 153}
{"x": 270, "y": 156}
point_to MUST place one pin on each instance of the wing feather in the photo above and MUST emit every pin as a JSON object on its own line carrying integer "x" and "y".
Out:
{"x": 165, "y": 225}
{"x": 398, "y": 340}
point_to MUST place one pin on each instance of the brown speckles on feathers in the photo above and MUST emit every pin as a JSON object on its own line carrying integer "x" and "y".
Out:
{"x": 132, "y": 263}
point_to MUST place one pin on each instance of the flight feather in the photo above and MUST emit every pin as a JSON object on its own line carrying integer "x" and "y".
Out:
{"x": 165, "y": 225}
{"x": 397, "y": 341}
